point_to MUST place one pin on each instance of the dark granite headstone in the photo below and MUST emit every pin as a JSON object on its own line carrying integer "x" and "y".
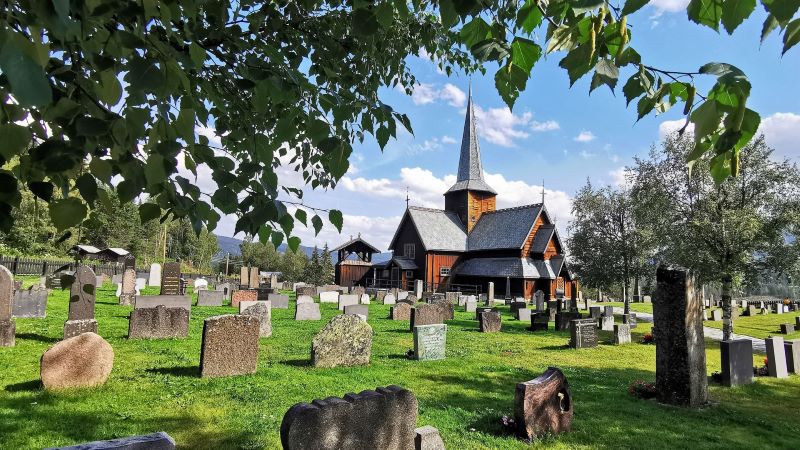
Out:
{"x": 171, "y": 279}
{"x": 129, "y": 262}
{"x": 158, "y": 323}
{"x": 516, "y": 306}
{"x": 482, "y": 309}
{"x": 787, "y": 328}
{"x": 583, "y": 333}
{"x": 381, "y": 419}
{"x": 539, "y": 321}
{"x": 8, "y": 327}
{"x": 155, "y": 441}
{"x": 737, "y": 362}
{"x": 792, "y": 356}
{"x": 425, "y": 314}
{"x": 564, "y": 318}
{"x": 81, "y": 304}
{"x": 229, "y": 346}
{"x": 490, "y": 322}
{"x": 680, "y": 345}
{"x": 594, "y": 312}
{"x": 543, "y": 405}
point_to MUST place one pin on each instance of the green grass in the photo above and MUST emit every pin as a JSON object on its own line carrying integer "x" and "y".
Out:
{"x": 154, "y": 386}
{"x": 635, "y": 307}
{"x": 761, "y": 326}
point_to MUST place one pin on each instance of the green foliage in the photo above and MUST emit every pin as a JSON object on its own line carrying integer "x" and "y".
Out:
{"x": 296, "y": 84}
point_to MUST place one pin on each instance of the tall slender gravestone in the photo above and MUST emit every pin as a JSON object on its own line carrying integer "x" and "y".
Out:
{"x": 155, "y": 275}
{"x": 680, "y": 347}
{"x": 8, "y": 327}
{"x": 81, "y": 304}
{"x": 128, "y": 290}
{"x": 244, "y": 277}
{"x": 490, "y": 293}
{"x": 171, "y": 279}
{"x": 255, "y": 278}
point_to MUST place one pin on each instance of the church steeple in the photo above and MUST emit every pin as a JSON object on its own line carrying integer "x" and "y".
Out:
{"x": 470, "y": 196}
{"x": 470, "y": 168}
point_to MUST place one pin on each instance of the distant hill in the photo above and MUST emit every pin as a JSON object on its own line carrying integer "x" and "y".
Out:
{"x": 231, "y": 245}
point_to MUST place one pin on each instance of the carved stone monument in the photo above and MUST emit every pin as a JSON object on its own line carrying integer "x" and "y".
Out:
{"x": 81, "y": 303}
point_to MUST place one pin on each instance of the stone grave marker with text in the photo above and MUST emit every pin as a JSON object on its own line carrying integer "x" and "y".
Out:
{"x": 158, "y": 323}
{"x": 30, "y": 303}
{"x": 430, "y": 341}
{"x": 583, "y": 333}
{"x": 171, "y": 279}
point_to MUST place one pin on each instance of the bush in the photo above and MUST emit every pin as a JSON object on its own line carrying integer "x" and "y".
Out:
{"x": 642, "y": 389}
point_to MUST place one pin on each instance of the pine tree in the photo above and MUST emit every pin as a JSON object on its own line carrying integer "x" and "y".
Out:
{"x": 326, "y": 266}
{"x": 313, "y": 274}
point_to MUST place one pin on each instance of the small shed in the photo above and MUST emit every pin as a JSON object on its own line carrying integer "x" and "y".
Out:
{"x": 85, "y": 251}
{"x": 354, "y": 261}
{"x": 113, "y": 254}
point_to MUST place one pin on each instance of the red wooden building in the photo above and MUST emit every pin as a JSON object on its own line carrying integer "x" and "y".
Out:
{"x": 470, "y": 242}
{"x": 354, "y": 262}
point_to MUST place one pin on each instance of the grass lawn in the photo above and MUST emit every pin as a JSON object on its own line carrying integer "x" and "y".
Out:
{"x": 154, "y": 387}
{"x": 761, "y": 326}
{"x": 635, "y": 307}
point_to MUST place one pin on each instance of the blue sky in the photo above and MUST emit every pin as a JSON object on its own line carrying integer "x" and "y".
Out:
{"x": 556, "y": 134}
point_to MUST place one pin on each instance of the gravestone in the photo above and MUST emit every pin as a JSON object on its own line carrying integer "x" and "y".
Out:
{"x": 543, "y": 405}
{"x": 129, "y": 262}
{"x": 481, "y": 309}
{"x": 155, "y": 441}
{"x": 304, "y": 299}
{"x": 402, "y": 295}
{"x": 226, "y": 289}
{"x": 551, "y": 314}
{"x": 357, "y": 310}
{"x": 425, "y": 314}
{"x": 210, "y": 298}
{"x": 594, "y": 312}
{"x": 279, "y": 301}
{"x": 155, "y": 275}
{"x": 79, "y": 361}
{"x": 430, "y": 341}
{"x": 716, "y": 315}
{"x": 200, "y": 284}
{"x": 607, "y": 323}
{"x": 737, "y": 362}
{"x": 171, "y": 279}
{"x": 170, "y": 301}
{"x": 30, "y": 303}
{"x": 263, "y": 293}
{"x": 470, "y": 306}
{"x": 452, "y": 297}
{"x": 158, "y": 323}
{"x": 516, "y": 306}
{"x": 401, "y": 311}
{"x": 254, "y": 278}
{"x": 364, "y": 298}
{"x": 564, "y": 318}
{"x": 262, "y": 310}
{"x": 116, "y": 278}
{"x": 346, "y": 300}
{"x": 750, "y": 311}
{"x": 383, "y": 419}
{"x": 524, "y": 315}
{"x": 310, "y": 291}
{"x": 490, "y": 292}
{"x": 539, "y": 321}
{"x": 792, "y": 350}
{"x": 243, "y": 296}
{"x": 797, "y": 322}
{"x": 418, "y": 288}
{"x": 776, "y": 357}
{"x": 680, "y": 346}
{"x": 630, "y": 320}
{"x": 244, "y": 277}
{"x": 81, "y": 304}
{"x": 490, "y": 322}
{"x": 622, "y": 334}
{"x": 428, "y": 438}
{"x": 141, "y": 283}
{"x": 329, "y": 297}
{"x": 608, "y": 311}
{"x": 229, "y": 346}
{"x": 539, "y": 299}
{"x": 344, "y": 342}
{"x": 128, "y": 289}
{"x": 389, "y": 299}
{"x": 583, "y": 333}
{"x": 307, "y": 311}
{"x": 787, "y": 328}
{"x": 8, "y": 327}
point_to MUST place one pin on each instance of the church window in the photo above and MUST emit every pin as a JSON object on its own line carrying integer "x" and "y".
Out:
{"x": 444, "y": 271}
{"x": 409, "y": 250}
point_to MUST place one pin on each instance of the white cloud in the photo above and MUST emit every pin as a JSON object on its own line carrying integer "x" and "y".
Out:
{"x": 668, "y": 127}
{"x": 449, "y": 140}
{"x": 782, "y": 132}
{"x": 586, "y": 154}
{"x": 671, "y": 6}
{"x": 548, "y": 125}
{"x": 585, "y": 136}
{"x": 501, "y": 126}
{"x": 618, "y": 176}
{"x": 426, "y": 93}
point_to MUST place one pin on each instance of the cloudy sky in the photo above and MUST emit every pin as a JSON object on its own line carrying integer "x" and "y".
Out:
{"x": 556, "y": 135}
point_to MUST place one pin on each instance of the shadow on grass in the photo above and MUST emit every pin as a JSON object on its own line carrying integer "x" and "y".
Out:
{"x": 33, "y": 385}
{"x": 298, "y": 362}
{"x": 37, "y": 337}
{"x": 180, "y": 371}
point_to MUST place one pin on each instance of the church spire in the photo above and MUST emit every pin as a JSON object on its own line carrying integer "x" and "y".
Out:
{"x": 470, "y": 168}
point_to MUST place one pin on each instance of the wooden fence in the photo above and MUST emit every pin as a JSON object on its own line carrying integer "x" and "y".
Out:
{"x": 19, "y": 265}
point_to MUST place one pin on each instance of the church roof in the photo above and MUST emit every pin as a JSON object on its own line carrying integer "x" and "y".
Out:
{"x": 513, "y": 267}
{"x": 470, "y": 169}
{"x": 542, "y": 238}
{"x": 438, "y": 229}
{"x": 504, "y": 228}
{"x": 354, "y": 241}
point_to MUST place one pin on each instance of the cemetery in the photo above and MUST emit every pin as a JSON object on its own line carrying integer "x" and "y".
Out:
{"x": 177, "y": 181}
{"x": 209, "y": 377}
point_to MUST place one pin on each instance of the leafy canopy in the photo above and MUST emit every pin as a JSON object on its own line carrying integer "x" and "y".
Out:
{"x": 99, "y": 90}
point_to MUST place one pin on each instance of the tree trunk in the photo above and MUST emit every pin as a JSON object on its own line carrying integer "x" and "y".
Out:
{"x": 727, "y": 323}
{"x": 626, "y": 297}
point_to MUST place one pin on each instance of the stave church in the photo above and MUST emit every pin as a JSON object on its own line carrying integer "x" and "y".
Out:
{"x": 467, "y": 244}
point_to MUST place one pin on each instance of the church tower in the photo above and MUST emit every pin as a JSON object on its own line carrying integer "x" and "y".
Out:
{"x": 470, "y": 197}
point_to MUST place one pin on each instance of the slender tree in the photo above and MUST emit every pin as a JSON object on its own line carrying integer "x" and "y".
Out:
{"x": 719, "y": 230}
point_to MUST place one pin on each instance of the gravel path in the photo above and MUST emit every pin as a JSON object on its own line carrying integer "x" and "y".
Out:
{"x": 712, "y": 333}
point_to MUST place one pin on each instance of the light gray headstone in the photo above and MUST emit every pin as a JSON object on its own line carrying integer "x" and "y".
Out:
{"x": 329, "y": 297}
{"x": 776, "y": 357}
{"x": 304, "y": 299}
{"x": 357, "y": 310}
{"x": 200, "y": 284}
{"x": 170, "y": 301}
{"x": 389, "y": 299}
{"x": 346, "y": 300}
{"x": 279, "y": 301}
{"x": 155, "y": 275}
{"x": 141, "y": 283}
{"x": 430, "y": 341}
{"x": 30, "y": 303}
{"x": 262, "y": 310}
{"x": 307, "y": 311}
{"x": 8, "y": 328}
{"x": 207, "y": 297}
{"x": 365, "y": 299}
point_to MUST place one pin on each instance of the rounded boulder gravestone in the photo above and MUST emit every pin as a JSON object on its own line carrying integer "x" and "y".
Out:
{"x": 345, "y": 341}
{"x": 81, "y": 361}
